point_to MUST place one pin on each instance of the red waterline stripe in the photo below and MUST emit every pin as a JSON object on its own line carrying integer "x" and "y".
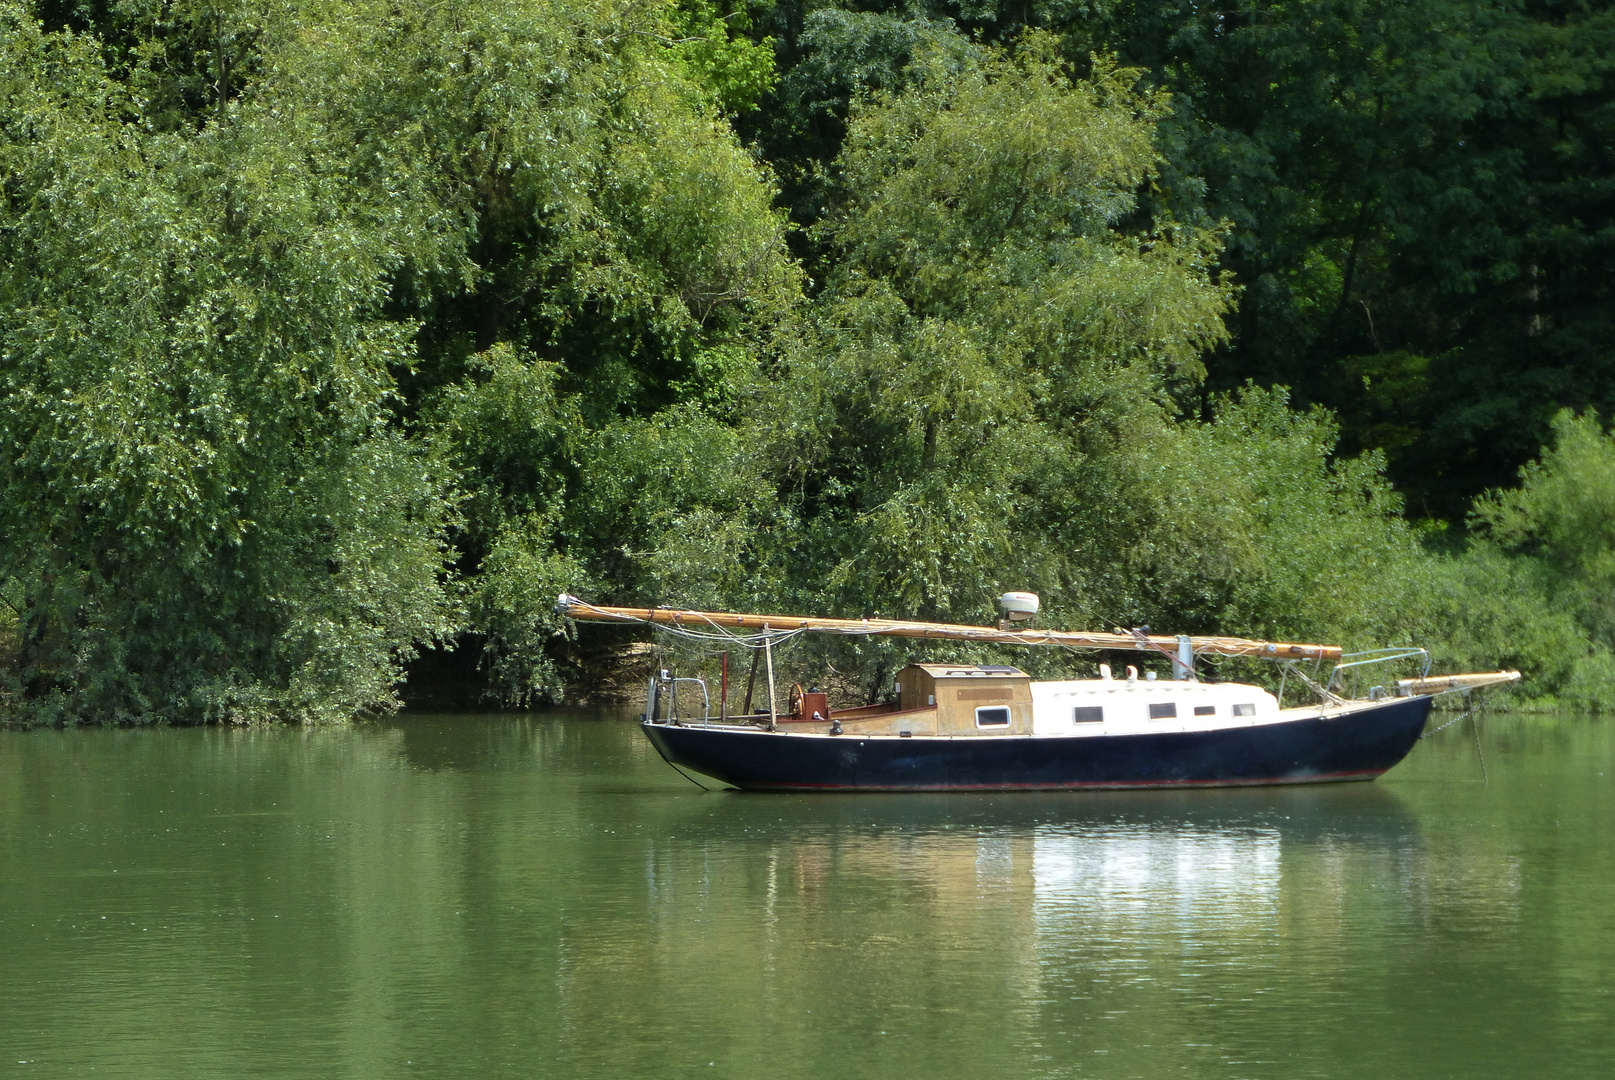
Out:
{"x": 1320, "y": 778}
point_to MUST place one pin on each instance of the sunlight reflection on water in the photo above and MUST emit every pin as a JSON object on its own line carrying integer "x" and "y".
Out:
{"x": 1128, "y": 875}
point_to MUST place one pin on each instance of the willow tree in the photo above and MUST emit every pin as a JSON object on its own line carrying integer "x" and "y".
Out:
{"x": 204, "y": 510}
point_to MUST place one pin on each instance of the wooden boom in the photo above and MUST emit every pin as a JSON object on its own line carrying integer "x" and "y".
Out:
{"x": 1442, "y": 684}
{"x": 573, "y": 608}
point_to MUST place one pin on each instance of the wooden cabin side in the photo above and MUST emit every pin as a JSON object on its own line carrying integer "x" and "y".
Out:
{"x": 969, "y": 700}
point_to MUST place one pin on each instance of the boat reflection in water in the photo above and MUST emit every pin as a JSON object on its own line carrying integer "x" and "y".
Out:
{"x": 1164, "y": 859}
{"x": 1064, "y": 916}
{"x": 1129, "y": 874}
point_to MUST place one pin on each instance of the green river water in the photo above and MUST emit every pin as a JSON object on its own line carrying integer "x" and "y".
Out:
{"x": 539, "y": 895}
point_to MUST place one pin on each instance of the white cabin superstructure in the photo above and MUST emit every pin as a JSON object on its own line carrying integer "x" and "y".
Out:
{"x": 1140, "y": 706}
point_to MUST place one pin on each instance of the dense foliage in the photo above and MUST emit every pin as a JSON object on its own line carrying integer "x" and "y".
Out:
{"x": 1420, "y": 194}
{"x": 333, "y": 332}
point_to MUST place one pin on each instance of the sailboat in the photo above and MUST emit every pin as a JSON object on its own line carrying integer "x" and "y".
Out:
{"x": 979, "y": 727}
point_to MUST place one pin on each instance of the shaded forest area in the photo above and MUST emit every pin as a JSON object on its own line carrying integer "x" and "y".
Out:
{"x": 332, "y": 333}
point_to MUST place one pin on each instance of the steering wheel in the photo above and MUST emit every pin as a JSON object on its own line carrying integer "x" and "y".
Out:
{"x": 794, "y": 708}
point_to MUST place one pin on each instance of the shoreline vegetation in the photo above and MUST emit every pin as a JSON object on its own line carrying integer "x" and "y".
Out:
{"x": 338, "y": 339}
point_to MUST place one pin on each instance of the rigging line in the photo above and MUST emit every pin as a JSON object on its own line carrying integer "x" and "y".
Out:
{"x": 758, "y": 641}
{"x": 725, "y": 635}
{"x": 718, "y": 635}
{"x": 1328, "y": 698}
{"x": 1469, "y": 708}
{"x": 1143, "y": 639}
{"x": 1436, "y": 731}
{"x": 1474, "y": 726}
{"x": 691, "y": 779}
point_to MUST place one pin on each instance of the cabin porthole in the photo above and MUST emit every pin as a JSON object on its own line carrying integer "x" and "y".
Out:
{"x": 1088, "y": 714}
{"x": 1245, "y": 710}
{"x": 1163, "y": 710}
{"x": 992, "y": 716}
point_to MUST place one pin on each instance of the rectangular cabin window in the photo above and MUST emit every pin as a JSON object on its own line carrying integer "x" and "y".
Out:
{"x": 992, "y": 717}
{"x": 1164, "y": 710}
{"x": 1205, "y": 710}
{"x": 1244, "y": 710}
{"x": 1088, "y": 714}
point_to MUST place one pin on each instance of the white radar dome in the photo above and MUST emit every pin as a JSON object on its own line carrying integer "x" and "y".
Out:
{"x": 1018, "y": 606}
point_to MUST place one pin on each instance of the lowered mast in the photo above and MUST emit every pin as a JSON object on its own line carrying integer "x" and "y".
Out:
{"x": 574, "y": 608}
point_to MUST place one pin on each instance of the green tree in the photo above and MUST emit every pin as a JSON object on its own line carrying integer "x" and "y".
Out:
{"x": 1561, "y": 519}
{"x": 986, "y": 327}
{"x": 610, "y": 253}
{"x": 1418, "y": 194}
{"x": 207, "y": 513}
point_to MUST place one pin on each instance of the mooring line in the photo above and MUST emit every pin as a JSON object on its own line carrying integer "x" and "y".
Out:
{"x": 1471, "y": 712}
{"x": 1474, "y": 726}
{"x": 690, "y": 778}
{"x": 1460, "y": 718}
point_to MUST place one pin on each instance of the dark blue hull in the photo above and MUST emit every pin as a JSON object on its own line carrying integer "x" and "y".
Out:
{"x": 1358, "y": 746}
